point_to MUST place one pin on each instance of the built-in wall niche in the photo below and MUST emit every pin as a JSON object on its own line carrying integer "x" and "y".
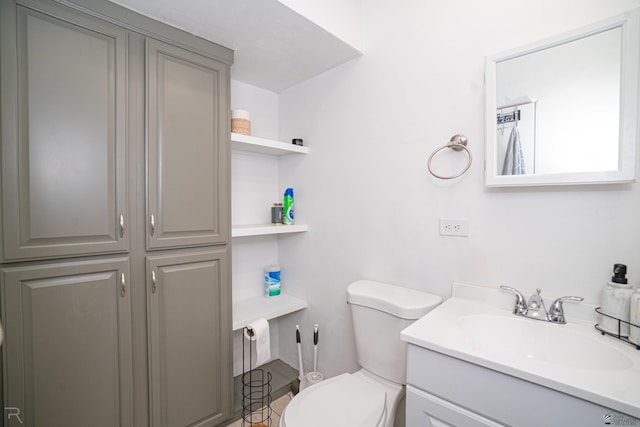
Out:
{"x": 255, "y": 187}
{"x": 251, "y": 201}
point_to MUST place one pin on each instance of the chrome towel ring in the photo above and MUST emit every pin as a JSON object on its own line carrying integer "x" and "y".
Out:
{"x": 457, "y": 143}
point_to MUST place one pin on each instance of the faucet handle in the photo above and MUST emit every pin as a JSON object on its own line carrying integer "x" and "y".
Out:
{"x": 521, "y": 302}
{"x": 556, "y": 311}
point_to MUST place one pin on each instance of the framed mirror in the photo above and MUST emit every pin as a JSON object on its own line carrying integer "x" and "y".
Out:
{"x": 564, "y": 110}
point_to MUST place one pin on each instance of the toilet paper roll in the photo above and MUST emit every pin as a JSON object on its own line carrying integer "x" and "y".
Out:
{"x": 258, "y": 331}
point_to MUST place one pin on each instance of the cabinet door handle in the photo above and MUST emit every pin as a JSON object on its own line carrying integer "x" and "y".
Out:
{"x": 154, "y": 282}
{"x": 121, "y": 225}
{"x": 152, "y": 222}
{"x": 123, "y": 286}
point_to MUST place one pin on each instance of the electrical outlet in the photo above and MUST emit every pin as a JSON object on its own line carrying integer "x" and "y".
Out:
{"x": 454, "y": 227}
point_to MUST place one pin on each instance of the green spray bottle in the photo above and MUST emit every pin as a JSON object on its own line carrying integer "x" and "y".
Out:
{"x": 287, "y": 217}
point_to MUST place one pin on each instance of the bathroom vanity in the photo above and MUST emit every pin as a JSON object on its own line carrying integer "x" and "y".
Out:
{"x": 472, "y": 362}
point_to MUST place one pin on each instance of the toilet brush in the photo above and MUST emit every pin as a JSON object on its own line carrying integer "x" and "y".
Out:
{"x": 315, "y": 376}
{"x": 315, "y": 347}
{"x": 300, "y": 367}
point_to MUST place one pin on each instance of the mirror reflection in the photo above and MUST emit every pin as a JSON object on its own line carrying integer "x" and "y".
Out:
{"x": 559, "y": 108}
{"x": 565, "y": 110}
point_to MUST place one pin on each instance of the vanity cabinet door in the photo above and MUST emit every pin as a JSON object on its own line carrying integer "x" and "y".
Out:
{"x": 63, "y": 85}
{"x": 67, "y": 349}
{"x": 189, "y": 309}
{"x": 425, "y": 409}
{"x": 188, "y": 148}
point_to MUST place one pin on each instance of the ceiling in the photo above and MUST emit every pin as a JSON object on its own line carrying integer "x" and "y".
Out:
{"x": 275, "y": 47}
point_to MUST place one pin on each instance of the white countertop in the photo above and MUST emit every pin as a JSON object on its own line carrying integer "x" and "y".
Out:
{"x": 441, "y": 331}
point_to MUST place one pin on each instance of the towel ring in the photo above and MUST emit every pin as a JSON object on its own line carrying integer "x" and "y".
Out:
{"x": 457, "y": 143}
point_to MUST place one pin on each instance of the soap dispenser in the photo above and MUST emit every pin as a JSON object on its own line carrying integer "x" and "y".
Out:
{"x": 615, "y": 301}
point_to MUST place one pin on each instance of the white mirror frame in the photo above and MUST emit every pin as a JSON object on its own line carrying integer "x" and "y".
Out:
{"x": 629, "y": 135}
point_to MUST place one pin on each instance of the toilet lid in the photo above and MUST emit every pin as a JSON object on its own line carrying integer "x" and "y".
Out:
{"x": 344, "y": 400}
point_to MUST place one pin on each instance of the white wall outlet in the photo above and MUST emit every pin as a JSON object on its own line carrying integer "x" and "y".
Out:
{"x": 454, "y": 227}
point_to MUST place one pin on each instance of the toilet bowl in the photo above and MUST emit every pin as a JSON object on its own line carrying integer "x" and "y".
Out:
{"x": 355, "y": 400}
{"x": 370, "y": 396}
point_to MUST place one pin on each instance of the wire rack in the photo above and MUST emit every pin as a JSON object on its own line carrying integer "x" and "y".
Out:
{"x": 256, "y": 391}
{"x": 618, "y": 334}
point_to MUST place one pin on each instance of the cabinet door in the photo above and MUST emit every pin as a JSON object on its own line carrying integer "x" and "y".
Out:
{"x": 63, "y": 133}
{"x": 68, "y": 344}
{"x": 188, "y": 148}
{"x": 190, "y": 339}
{"x": 425, "y": 409}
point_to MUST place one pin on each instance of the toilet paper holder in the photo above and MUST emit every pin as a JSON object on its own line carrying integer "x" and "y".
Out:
{"x": 256, "y": 388}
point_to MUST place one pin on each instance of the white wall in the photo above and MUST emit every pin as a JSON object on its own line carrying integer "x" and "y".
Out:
{"x": 372, "y": 207}
{"x": 262, "y": 105}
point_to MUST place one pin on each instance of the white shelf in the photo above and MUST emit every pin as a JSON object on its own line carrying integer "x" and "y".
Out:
{"x": 247, "y": 310}
{"x": 264, "y": 146}
{"x": 266, "y": 229}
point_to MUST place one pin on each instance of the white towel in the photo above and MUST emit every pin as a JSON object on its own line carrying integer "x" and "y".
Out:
{"x": 514, "y": 157}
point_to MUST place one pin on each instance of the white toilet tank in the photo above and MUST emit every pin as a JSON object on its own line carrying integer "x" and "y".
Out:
{"x": 379, "y": 312}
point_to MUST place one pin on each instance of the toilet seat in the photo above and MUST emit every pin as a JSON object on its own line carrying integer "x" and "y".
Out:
{"x": 345, "y": 400}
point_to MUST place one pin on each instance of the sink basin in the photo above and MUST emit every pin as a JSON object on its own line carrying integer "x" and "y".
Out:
{"x": 516, "y": 337}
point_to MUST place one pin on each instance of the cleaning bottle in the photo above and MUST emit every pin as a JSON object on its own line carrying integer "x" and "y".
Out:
{"x": 615, "y": 300}
{"x": 271, "y": 280}
{"x": 287, "y": 217}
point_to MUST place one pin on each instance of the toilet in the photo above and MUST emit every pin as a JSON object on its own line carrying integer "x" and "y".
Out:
{"x": 369, "y": 397}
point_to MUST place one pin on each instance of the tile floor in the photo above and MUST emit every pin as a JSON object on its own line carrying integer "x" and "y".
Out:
{"x": 277, "y": 407}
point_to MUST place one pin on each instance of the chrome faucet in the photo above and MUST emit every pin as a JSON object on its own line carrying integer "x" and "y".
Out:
{"x": 535, "y": 308}
{"x": 520, "y": 308}
{"x": 556, "y": 311}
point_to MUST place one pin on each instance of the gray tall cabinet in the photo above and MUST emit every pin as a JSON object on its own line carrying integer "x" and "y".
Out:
{"x": 115, "y": 289}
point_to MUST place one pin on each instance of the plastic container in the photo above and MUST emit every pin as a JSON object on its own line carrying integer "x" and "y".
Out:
{"x": 287, "y": 217}
{"x": 634, "y": 318}
{"x": 271, "y": 280}
{"x": 615, "y": 302}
